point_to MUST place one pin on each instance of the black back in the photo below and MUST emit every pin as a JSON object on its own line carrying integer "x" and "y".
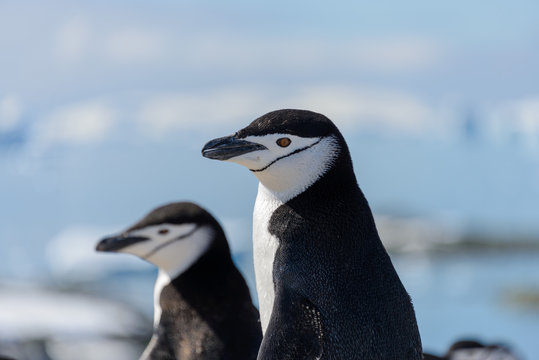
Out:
{"x": 336, "y": 290}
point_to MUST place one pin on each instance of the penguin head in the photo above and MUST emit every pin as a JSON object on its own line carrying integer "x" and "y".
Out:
{"x": 287, "y": 150}
{"x": 473, "y": 350}
{"x": 172, "y": 237}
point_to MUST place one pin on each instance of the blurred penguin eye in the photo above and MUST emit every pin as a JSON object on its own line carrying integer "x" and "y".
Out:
{"x": 163, "y": 231}
{"x": 283, "y": 142}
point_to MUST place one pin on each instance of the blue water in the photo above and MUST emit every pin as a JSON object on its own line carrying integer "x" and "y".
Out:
{"x": 460, "y": 295}
{"x": 456, "y": 295}
{"x": 469, "y": 295}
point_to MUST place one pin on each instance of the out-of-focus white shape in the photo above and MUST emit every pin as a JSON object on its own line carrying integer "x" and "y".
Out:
{"x": 71, "y": 254}
{"x": 352, "y": 107}
{"x": 413, "y": 234}
{"x": 82, "y": 123}
{"x": 187, "y": 111}
{"x": 135, "y": 45}
{"x": 393, "y": 112}
{"x": 33, "y": 313}
{"x": 482, "y": 353}
{"x": 517, "y": 120}
{"x": 10, "y": 112}
{"x": 72, "y": 40}
{"x": 95, "y": 349}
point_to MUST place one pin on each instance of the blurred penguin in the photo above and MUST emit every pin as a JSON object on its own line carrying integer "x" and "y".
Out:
{"x": 202, "y": 306}
{"x": 473, "y": 350}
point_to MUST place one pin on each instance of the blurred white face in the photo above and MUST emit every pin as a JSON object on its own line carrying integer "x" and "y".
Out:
{"x": 172, "y": 248}
{"x": 290, "y": 163}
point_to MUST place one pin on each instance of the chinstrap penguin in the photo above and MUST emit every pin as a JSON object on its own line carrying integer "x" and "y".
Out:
{"x": 473, "y": 350}
{"x": 203, "y": 309}
{"x": 327, "y": 288}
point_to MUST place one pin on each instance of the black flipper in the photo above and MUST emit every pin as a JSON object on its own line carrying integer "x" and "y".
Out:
{"x": 295, "y": 330}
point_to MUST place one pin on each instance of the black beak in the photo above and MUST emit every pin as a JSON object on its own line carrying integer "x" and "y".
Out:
{"x": 228, "y": 147}
{"x": 115, "y": 243}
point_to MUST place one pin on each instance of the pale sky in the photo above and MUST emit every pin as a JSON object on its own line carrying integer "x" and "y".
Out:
{"x": 105, "y": 105}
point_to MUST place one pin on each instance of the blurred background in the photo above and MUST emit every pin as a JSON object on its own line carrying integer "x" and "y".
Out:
{"x": 104, "y": 107}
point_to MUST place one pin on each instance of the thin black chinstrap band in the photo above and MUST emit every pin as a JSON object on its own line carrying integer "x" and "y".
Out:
{"x": 287, "y": 155}
{"x": 156, "y": 249}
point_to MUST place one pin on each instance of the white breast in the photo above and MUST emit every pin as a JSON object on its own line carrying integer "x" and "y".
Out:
{"x": 264, "y": 248}
{"x": 163, "y": 279}
{"x": 285, "y": 178}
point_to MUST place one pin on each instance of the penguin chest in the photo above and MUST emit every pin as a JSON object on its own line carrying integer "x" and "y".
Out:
{"x": 264, "y": 248}
{"x": 162, "y": 281}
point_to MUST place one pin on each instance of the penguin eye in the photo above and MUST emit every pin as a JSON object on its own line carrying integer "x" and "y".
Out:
{"x": 163, "y": 231}
{"x": 283, "y": 142}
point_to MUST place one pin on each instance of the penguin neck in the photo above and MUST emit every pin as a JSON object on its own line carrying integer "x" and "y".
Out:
{"x": 341, "y": 177}
{"x": 209, "y": 308}
{"x": 172, "y": 265}
{"x": 197, "y": 287}
{"x": 338, "y": 190}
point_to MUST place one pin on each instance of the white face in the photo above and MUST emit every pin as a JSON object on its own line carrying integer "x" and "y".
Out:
{"x": 288, "y": 170}
{"x": 172, "y": 248}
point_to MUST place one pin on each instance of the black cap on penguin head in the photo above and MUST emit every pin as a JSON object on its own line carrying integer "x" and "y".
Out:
{"x": 185, "y": 212}
{"x": 302, "y": 123}
{"x": 176, "y": 213}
